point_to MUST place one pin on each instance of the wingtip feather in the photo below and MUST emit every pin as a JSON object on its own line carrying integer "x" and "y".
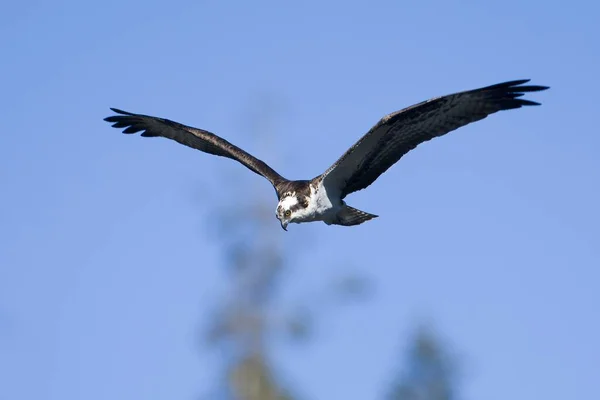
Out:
{"x": 507, "y": 94}
{"x": 515, "y": 85}
{"x": 118, "y": 111}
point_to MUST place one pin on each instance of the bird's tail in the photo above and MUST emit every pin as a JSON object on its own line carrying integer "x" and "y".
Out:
{"x": 349, "y": 216}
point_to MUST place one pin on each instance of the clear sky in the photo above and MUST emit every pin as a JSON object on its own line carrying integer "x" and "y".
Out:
{"x": 492, "y": 232}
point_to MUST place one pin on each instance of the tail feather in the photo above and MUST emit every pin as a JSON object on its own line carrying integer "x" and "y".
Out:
{"x": 349, "y": 216}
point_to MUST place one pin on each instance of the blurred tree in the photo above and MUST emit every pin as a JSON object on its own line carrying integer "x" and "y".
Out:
{"x": 429, "y": 373}
{"x": 246, "y": 320}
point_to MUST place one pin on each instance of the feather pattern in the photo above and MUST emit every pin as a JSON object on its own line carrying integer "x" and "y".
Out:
{"x": 192, "y": 137}
{"x": 398, "y": 133}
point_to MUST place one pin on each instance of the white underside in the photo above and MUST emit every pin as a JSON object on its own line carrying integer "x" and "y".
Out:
{"x": 320, "y": 207}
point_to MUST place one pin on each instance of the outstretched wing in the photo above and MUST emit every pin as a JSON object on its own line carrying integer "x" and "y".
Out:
{"x": 196, "y": 138}
{"x": 399, "y": 132}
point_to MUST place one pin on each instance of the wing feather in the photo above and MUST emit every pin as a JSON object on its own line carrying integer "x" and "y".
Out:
{"x": 398, "y": 133}
{"x": 192, "y": 137}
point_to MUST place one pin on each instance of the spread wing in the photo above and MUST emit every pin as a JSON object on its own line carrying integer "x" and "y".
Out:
{"x": 399, "y": 132}
{"x": 196, "y": 138}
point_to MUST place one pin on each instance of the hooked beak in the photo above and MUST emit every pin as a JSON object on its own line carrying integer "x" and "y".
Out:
{"x": 284, "y": 225}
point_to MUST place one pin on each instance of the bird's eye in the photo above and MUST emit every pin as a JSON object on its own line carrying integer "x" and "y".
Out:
{"x": 288, "y": 213}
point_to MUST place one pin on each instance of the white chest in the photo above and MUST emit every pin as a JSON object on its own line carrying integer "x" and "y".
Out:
{"x": 320, "y": 206}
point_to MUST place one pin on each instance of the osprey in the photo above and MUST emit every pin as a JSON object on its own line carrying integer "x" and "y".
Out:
{"x": 322, "y": 198}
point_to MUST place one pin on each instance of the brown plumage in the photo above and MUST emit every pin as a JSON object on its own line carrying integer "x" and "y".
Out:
{"x": 399, "y": 132}
{"x": 321, "y": 198}
{"x": 199, "y": 139}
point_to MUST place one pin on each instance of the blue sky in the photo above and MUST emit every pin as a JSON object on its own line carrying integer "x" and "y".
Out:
{"x": 492, "y": 232}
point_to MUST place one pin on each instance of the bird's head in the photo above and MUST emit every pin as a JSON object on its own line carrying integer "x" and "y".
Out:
{"x": 291, "y": 208}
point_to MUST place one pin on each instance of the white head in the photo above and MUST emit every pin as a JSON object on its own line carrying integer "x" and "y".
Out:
{"x": 291, "y": 208}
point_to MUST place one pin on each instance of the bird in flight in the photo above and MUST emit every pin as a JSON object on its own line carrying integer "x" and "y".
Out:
{"x": 394, "y": 135}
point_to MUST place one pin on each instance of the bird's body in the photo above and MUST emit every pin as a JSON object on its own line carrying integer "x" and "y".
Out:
{"x": 317, "y": 206}
{"x": 322, "y": 198}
